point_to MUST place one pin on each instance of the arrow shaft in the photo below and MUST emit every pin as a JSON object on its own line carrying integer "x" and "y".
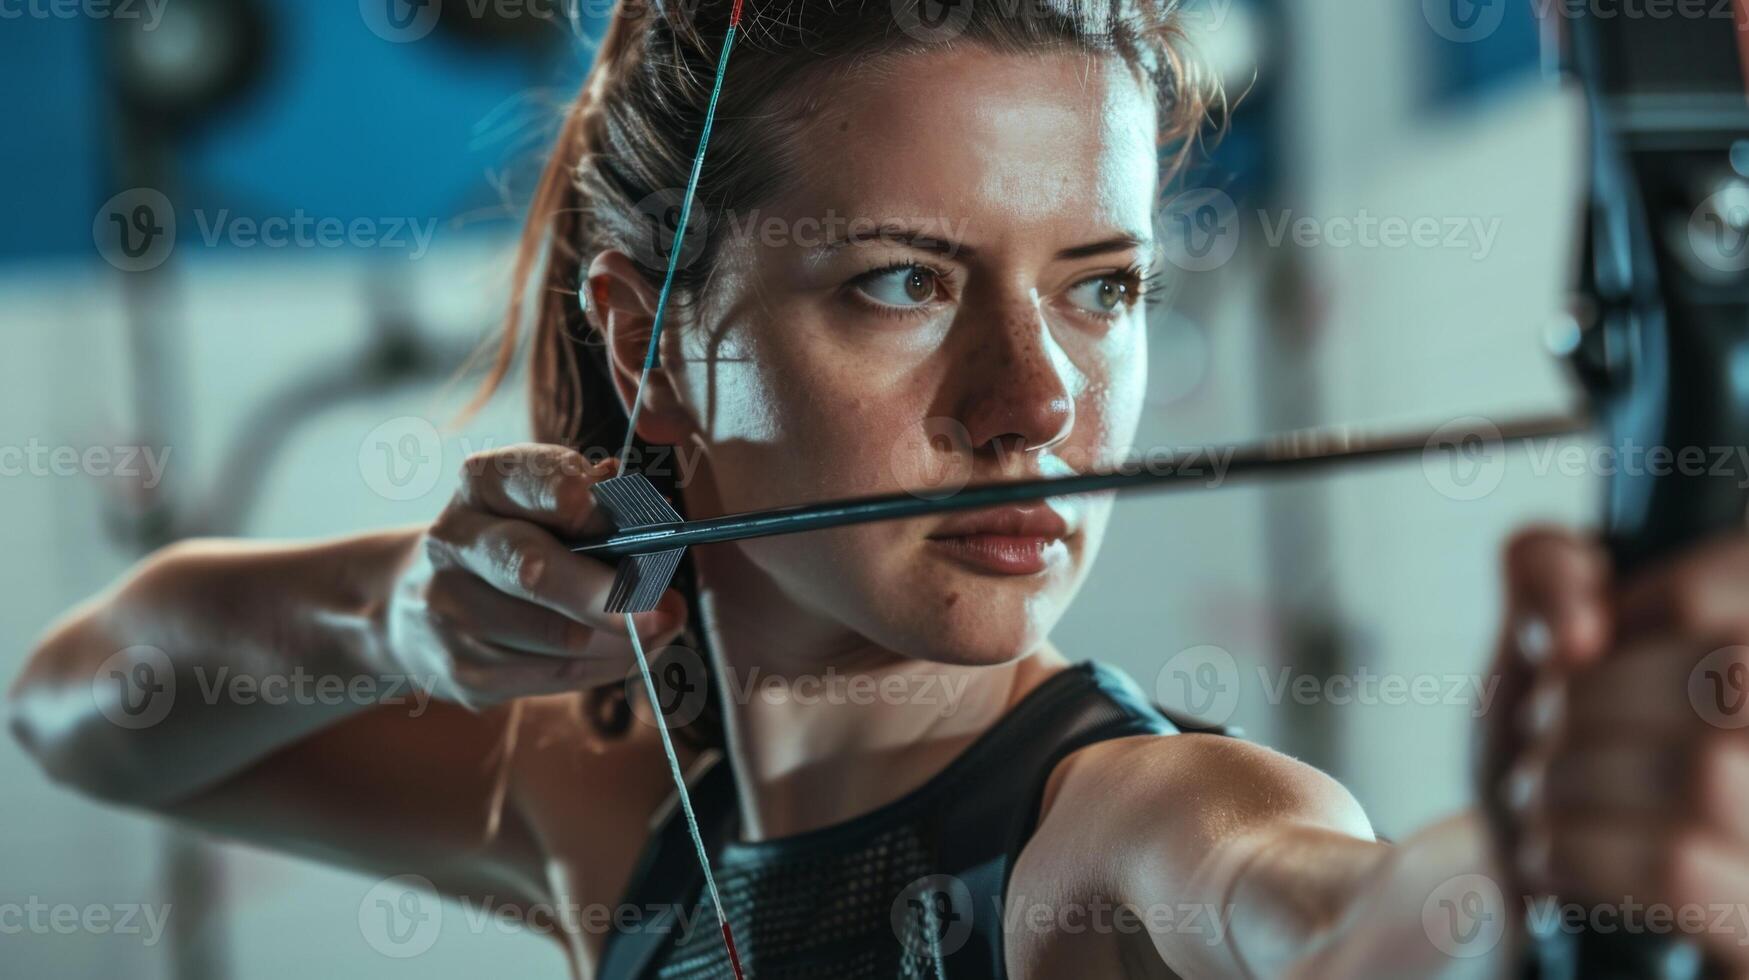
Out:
{"x": 1286, "y": 455}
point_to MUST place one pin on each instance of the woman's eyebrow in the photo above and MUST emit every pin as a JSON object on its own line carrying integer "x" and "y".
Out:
{"x": 1119, "y": 243}
{"x": 948, "y": 248}
{"x": 907, "y": 237}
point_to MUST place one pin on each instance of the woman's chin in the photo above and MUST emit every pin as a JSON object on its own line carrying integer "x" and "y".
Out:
{"x": 978, "y": 631}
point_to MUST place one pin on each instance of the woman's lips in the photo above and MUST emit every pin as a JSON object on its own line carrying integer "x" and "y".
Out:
{"x": 1006, "y": 540}
{"x": 1003, "y": 554}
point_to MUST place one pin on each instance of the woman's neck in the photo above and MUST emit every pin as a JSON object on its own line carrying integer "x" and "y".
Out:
{"x": 823, "y": 726}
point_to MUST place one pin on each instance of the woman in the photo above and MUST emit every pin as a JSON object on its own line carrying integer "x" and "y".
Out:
{"x": 901, "y": 229}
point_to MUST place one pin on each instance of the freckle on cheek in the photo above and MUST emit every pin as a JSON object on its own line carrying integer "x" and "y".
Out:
{"x": 952, "y": 599}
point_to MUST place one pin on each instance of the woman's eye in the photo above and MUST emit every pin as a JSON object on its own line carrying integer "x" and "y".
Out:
{"x": 907, "y": 286}
{"x": 1104, "y": 295}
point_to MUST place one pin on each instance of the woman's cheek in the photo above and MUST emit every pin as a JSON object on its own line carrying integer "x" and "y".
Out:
{"x": 1127, "y": 393}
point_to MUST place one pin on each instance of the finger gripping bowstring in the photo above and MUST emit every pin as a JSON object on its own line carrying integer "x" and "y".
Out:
{"x": 623, "y": 599}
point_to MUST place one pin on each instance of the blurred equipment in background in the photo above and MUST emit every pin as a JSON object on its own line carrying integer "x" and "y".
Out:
{"x": 167, "y": 83}
{"x": 1665, "y": 341}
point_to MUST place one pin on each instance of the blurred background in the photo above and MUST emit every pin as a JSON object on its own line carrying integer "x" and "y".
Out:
{"x": 250, "y": 243}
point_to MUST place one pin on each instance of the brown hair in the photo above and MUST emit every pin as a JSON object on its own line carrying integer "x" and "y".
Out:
{"x": 626, "y": 145}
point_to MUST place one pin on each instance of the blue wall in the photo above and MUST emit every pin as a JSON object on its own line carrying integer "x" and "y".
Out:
{"x": 344, "y": 124}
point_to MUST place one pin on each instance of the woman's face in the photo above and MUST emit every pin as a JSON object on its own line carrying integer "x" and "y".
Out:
{"x": 946, "y": 291}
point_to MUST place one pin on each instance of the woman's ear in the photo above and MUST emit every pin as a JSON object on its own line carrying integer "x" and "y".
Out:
{"x": 621, "y": 306}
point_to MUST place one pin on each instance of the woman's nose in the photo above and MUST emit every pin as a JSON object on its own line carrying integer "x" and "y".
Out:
{"x": 1018, "y": 393}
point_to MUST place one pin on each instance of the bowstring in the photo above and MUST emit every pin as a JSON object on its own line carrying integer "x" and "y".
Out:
{"x": 650, "y": 357}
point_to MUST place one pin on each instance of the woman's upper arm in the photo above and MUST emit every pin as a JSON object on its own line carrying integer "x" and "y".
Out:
{"x": 394, "y": 790}
{"x": 1213, "y": 830}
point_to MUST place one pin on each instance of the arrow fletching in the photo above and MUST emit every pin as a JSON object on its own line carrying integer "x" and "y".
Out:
{"x": 633, "y": 504}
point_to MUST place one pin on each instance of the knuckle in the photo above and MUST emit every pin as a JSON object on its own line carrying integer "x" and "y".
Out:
{"x": 528, "y": 570}
{"x": 573, "y": 500}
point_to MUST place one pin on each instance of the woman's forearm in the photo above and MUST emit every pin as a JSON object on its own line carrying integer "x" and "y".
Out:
{"x": 1430, "y": 906}
{"x": 210, "y": 656}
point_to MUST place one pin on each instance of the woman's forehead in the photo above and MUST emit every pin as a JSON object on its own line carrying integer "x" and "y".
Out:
{"x": 973, "y": 135}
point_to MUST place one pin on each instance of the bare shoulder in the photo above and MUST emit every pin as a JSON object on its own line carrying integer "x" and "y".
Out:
{"x": 1158, "y": 827}
{"x": 1203, "y": 783}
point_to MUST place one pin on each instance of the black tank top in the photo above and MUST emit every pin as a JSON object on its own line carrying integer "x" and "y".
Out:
{"x": 912, "y": 889}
